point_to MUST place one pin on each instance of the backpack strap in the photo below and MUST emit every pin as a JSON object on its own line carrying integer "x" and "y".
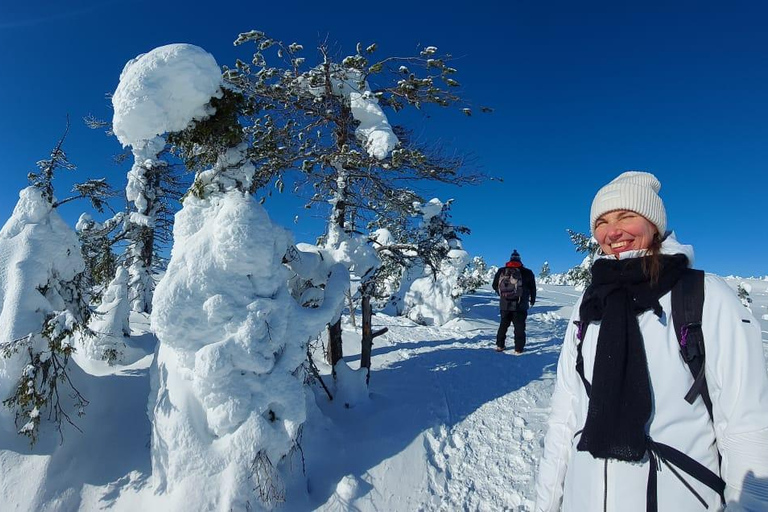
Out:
{"x": 580, "y": 332}
{"x": 674, "y": 458}
{"x": 687, "y": 307}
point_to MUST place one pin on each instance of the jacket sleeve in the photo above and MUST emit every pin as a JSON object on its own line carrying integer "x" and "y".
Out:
{"x": 561, "y": 427}
{"x": 735, "y": 365}
{"x": 532, "y": 286}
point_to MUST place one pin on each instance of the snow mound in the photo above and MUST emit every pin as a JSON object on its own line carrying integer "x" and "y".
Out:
{"x": 163, "y": 91}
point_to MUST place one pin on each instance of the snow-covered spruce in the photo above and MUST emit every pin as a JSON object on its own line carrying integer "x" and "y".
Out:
{"x": 432, "y": 298}
{"x": 109, "y": 323}
{"x": 41, "y": 304}
{"x": 227, "y": 404}
{"x": 474, "y": 275}
{"x": 161, "y": 91}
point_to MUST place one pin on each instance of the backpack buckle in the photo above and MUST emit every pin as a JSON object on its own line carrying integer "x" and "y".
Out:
{"x": 689, "y": 350}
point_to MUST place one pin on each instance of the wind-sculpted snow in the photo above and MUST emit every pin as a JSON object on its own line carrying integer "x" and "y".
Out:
{"x": 228, "y": 402}
{"x": 163, "y": 91}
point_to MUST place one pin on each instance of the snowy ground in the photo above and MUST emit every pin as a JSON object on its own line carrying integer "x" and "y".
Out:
{"x": 450, "y": 424}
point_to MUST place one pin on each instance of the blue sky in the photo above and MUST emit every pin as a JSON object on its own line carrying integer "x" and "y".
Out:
{"x": 581, "y": 91}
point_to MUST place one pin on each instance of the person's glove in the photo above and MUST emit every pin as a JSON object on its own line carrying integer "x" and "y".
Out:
{"x": 533, "y": 302}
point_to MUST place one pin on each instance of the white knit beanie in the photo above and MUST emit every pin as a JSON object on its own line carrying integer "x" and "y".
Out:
{"x": 635, "y": 191}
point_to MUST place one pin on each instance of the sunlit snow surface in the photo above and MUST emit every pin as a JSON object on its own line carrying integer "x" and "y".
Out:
{"x": 450, "y": 424}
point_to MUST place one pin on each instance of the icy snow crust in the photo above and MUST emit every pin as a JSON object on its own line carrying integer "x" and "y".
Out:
{"x": 231, "y": 338}
{"x": 163, "y": 91}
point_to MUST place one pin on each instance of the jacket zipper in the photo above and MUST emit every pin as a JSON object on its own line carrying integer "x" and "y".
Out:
{"x": 605, "y": 486}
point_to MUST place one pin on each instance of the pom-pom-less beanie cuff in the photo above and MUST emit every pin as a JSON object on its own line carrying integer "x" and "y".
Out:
{"x": 634, "y": 191}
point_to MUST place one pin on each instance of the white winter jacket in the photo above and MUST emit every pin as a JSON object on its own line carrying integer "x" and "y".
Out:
{"x": 736, "y": 376}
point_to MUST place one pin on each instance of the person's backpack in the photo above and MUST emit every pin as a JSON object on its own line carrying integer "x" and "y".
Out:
{"x": 511, "y": 284}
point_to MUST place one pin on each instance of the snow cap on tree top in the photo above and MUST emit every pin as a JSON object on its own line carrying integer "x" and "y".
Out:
{"x": 635, "y": 191}
{"x": 163, "y": 91}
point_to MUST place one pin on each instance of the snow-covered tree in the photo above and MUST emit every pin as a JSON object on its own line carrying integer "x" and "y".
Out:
{"x": 474, "y": 275}
{"x": 109, "y": 323}
{"x": 743, "y": 290}
{"x": 580, "y": 276}
{"x": 142, "y": 192}
{"x": 327, "y": 120}
{"x": 227, "y": 402}
{"x": 97, "y": 241}
{"x": 432, "y": 298}
{"x": 137, "y": 125}
{"x": 43, "y": 302}
{"x": 545, "y": 272}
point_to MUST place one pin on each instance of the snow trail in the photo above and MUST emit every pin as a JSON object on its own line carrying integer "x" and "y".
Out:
{"x": 487, "y": 461}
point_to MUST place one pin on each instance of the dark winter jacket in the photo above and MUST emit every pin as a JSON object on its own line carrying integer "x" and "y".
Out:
{"x": 529, "y": 288}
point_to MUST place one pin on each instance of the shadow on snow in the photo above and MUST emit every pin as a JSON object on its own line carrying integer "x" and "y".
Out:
{"x": 436, "y": 382}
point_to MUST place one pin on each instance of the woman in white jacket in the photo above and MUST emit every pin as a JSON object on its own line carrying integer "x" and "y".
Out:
{"x": 621, "y": 435}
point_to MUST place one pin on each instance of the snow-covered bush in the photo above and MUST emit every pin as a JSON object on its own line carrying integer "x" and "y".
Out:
{"x": 544, "y": 273}
{"x": 580, "y": 276}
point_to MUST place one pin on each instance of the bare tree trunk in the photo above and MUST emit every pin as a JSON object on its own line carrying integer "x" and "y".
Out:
{"x": 334, "y": 353}
{"x": 368, "y": 335}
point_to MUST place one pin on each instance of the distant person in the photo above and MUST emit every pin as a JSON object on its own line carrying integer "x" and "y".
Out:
{"x": 661, "y": 374}
{"x": 516, "y": 288}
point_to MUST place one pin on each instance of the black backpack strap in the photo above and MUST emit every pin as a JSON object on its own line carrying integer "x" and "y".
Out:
{"x": 673, "y": 458}
{"x": 582, "y": 329}
{"x": 687, "y": 307}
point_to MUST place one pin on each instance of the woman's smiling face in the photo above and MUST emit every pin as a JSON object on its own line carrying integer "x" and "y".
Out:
{"x": 623, "y": 230}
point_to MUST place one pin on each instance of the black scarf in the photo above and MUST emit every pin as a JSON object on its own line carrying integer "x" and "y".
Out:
{"x": 620, "y": 397}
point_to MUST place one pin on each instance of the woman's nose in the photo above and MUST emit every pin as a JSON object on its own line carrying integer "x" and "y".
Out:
{"x": 614, "y": 232}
